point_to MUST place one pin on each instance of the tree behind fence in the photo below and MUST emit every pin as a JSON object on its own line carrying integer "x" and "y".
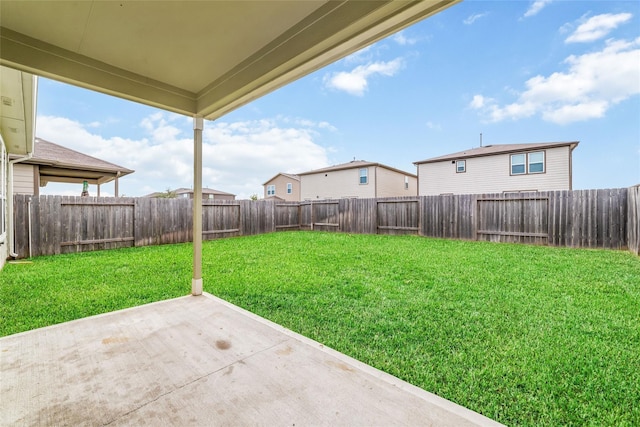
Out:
{"x": 585, "y": 218}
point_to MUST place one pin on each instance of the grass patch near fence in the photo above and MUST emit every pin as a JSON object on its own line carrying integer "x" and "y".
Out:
{"x": 525, "y": 335}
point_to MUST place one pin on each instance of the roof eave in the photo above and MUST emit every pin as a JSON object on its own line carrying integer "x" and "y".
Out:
{"x": 461, "y": 156}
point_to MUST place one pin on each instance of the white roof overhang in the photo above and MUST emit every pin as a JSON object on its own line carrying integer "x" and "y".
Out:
{"x": 17, "y": 110}
{"x": 202, "y": 58}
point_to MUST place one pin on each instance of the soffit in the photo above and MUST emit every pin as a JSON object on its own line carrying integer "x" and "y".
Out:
{"x": 17, "y": 107}
{"x": 203, "y": 57}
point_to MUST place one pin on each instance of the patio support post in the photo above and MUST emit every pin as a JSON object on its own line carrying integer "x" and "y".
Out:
{"x": 196, "y": 282}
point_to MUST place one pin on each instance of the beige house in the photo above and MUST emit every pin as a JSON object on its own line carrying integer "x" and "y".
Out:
{"x": 187, "y": 193}
{"x": 499, "y": 168}
{"x": 283, "y": 186}
{"x": 54, "y": 163}
{"x": 356, "y": 179}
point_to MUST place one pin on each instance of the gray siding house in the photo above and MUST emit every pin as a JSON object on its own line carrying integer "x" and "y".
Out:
{"x": 500, "y": 168}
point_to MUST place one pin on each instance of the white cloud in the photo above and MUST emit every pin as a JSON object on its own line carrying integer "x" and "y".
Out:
{"x": 536, "y": 7}
{"x": 477, "y": 102}
{"x": 473, "y": 18}
{"x": 597, "y": 27}
{"x": 356, "y": 81}
{"x": 403, "y": 40}
{"x": 237, "y": 156}
{"x": 593, "y": 83}
{"x": 434, "y": 126}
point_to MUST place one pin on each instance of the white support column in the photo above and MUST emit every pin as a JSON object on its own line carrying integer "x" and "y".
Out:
{"x": 196, "y": 281}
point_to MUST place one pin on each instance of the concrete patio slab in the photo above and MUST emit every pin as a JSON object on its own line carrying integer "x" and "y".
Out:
{"x": 200, "y": 361}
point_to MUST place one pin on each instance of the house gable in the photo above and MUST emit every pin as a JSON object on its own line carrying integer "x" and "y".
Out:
{"x": 284, "y": 186}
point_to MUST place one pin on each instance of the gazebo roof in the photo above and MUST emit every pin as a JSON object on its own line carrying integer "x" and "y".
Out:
{"x": 61, "y": 164}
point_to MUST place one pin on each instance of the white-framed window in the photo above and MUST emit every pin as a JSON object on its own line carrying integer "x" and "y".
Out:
{"x": 461, "y": 166}
{"x": 406, "y": 182}
{"x": 364, "y": 176}
{"x": 289, "y": 188}
{"x": 518, "y": 164}
{"x": 271, "y": 190}
{"x": 527, "y": 163}
{"x": 535, "y": 162}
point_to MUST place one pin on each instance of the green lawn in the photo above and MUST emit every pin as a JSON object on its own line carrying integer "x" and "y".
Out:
{"x": 523, "y": 334}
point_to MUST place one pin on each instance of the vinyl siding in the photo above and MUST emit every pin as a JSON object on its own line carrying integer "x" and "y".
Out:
{"x": 281, "y": 188}
{"x": 391, "y": 184}
{"x": 23, "y": 179}
{"x": 491, "y": 174}
{"x": 337, "y": 184}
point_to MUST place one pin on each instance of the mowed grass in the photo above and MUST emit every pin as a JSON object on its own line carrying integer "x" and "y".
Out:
{"x": 525, "y": 335}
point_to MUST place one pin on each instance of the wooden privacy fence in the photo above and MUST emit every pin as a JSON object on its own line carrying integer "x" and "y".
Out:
{"x": 585, "y": 218}
{"x": 633, "y": 219}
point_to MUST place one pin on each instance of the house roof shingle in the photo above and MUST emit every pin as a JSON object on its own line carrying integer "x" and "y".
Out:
{"x": 49, "y": 154}
{"x": 489, "y": 150}
{"x": 60, "y": 164}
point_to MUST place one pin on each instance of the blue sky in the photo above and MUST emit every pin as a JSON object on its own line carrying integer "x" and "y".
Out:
{"x": 515, "y": 71}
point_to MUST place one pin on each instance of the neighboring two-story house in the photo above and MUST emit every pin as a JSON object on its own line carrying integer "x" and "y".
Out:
{"x": 283, "y": 186}
{"x": 499, "y": 168}
{"x": 356, "y": 179}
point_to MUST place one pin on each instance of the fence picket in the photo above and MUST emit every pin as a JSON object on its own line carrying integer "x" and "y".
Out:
{"x": 606, "y": 218}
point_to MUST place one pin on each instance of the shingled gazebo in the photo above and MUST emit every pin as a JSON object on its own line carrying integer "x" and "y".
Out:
{"x": 54, "y": 163}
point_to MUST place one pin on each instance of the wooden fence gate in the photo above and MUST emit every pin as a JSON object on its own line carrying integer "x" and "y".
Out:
{"x": 513, "y": 220}
{"x": 398, "y": 216}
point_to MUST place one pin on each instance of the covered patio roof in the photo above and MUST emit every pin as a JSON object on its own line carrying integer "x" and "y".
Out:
{"x": 202, "y": 58}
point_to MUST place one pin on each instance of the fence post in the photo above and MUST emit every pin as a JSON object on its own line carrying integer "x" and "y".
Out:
{"x": 633, "y": 219}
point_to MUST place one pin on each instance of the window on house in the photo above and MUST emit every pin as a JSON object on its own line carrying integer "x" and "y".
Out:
{"x": 289, "y": 188}
{"x": 364, "y": 176}
{"x": 527, "y": 163}
{"x": 271, "y": 190}
{"x": 406, "y": 182}
{"x": 518, "y": 164}
{"x": 536, "y": 162}
{"x": 461, "y": 166}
